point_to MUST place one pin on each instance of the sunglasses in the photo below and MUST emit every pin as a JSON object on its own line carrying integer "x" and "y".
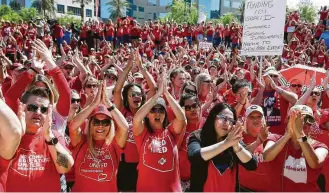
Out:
{"x": 274, "y": 76}
{"x": 91, "y": 85}
{"x": 135, "y": 94}
{"x": 68, "y": 67}
{"x": 158, "y": 110}
{"x": 191, "y": 107}
{"x": 309, "y": 120}
{"x": 104, "y": 123}
{"x": 75, "y": 101}
{"x": 226, "y": 119}
{"x": 189, "y": 91}
{"x": 34, "y": 108}
{"x": 207, "y": 81}
{"x": 315, "y": 93}
{"x": 296, "y": 85}
{"x": 111, "y": 77}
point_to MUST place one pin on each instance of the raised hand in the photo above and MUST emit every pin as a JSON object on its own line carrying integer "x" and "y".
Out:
{"x": 234, "y": 135}
{"x": 47, "y": 124}
{"x": 42, "y": 50}
{"x": 21, "y": 115}
{"x": 299, "y": 123}
{"x": 98, "y": 98}
{"x": 263, "y": 134}
{"x": 313, "y": 80}
{"x": 105, "y": 99}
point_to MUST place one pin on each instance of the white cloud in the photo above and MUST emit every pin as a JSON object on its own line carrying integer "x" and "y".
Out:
{"x": 318, "y": 3}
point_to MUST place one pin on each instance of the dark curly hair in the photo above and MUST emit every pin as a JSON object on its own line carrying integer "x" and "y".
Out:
{"x": 125, "y": 94}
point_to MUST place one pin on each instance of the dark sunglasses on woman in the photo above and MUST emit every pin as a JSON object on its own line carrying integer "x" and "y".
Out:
{"x": 104, "y": 123}
{"x": 34, "y": 108}
{"x": 191, "y": 107}
{"x": 226, "y": 119}
{"x": 296, "y": 85}
{"x": 315, "y": 93}
{"x": 189, "y": 91}
{"x": 75, "y": 100}
{"x": 158, "y": 110}
{"x": 135, "y": 94}
{"x": 91, "y": 85}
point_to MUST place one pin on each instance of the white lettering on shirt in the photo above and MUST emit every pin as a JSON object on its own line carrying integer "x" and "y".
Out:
{"x": 295, "y": 169}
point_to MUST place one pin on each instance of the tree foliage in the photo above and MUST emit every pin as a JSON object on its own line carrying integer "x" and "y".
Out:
{"x": 182, "y": 12}
{"x": 69, "y": 19}
{"x": 25, "y": 14}
{"x": 308, "y": 12}
{"x": 45, "y": 7}
{"x": 82, "y": 6}
{"x": 241, "y": 10}
{"x": 117, "y": 8}
{"x": 15, "y": 5}
{"x": 228, "y": 18}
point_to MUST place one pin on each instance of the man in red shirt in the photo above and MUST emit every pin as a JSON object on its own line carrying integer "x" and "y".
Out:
{"x": 41, "y": 155}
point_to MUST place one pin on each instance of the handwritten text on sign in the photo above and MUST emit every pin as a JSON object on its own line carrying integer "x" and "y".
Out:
{"x": 263, "y": 28}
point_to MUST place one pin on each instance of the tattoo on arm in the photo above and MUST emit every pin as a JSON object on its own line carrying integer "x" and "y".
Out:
{"x": 62, "y": 160}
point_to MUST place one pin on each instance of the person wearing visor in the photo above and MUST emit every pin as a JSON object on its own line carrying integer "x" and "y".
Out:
{"x": 139, "y": 79}
{"x": 254, "y": 134}
{"x": 97, "y": 151}
{"x": 296, "y": 159}
{"x": 111, "y": 76}
{"x": 158, "y": 142}
{"x": 282, "y": 97}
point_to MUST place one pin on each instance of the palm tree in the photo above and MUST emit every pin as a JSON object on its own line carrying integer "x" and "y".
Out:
{"x": 43, "y": 6}
{"x": 118, "y": 8}
{"x": 241, "y": 10}
{"x": 82, "y": 6}
{"x": 15, "y": 5}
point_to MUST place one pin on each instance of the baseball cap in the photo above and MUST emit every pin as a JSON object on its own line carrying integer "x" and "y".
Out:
{"x": 215, "y": 60}
{"x": 112, "y": 71}
{"x": 254, "y": 108}
{"x": 305, "y": 110}
{"x": 100, "y": 109}
{"x": 138, "y": 75}
{"x": 271, "y": 71}
{"x": 162, "y": 102}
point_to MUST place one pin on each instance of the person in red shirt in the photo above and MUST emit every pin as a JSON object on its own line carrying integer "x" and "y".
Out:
{"x": 216, "y": 150}
{"x": 178, "y": 79}
{"x": 31, "y": 31}
{"x": 11, "y": 132}
{"x": 255, "y": 133}
{"x": 210, "y": 32}
{"x": 109, "y": 32}
{"x": 47, "y": 39}
{"x": 41, "y": 155}
{"x": 296, "y": 159}
{"x": 158, "y": 142}
{"x": 58, "y": 33}
{"x": 192, "y": 109}
{"x": 324, "y": 13}
{"x": 97, "y": 151}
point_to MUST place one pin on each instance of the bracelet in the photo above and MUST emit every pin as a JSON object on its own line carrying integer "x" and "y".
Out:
{"x": 111, "y": 108}
{"x": 240, "y": 149}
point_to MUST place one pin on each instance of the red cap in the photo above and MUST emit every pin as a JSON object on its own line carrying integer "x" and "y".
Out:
{"x": 100, "y": 109}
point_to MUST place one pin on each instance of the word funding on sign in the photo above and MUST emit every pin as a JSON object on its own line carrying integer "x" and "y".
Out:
{"x": 263, "y": 28}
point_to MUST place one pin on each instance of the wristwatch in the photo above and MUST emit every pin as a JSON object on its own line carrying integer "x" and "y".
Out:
{"x": 53, "y": 141}
{"x": 302, "y": 139}
{"x": 111, "y": 108}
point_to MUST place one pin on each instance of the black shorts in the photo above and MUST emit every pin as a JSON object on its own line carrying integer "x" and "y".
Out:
{"x": 127, "y": 176}
{"x": 134, "y": 37}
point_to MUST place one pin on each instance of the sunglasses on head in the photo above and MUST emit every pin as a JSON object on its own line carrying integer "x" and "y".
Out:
{"x": 226, "y": 119}
{"x": 207, "y": 81}
{"x": 68, "y": 67}
{"x": 158, "y": 110}
{"x": 135, "y": 94}
{"x": 34, "y": 108}
{"x": 104, "y": 123}
{"x": 274, "y": 76}
{"x": 296, "y": 85}
{"x": 191, "y": 107}
{"x": 91, "y": 85}
{"x": 315, "y": 93}
{"x": 75, "y": 101}
{"x": 189, "y": 91}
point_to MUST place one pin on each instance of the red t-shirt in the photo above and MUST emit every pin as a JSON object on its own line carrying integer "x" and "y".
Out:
{"x": 58, "y": 31}
{"x": 184, "y": 163}
{"x": 157, "y": 34}
{"x": 144, "y": 35}
{"x": 130, "y": 150}
{"x": 324, "y": 14}
{"x": 96, "y": 173}
{"x": 290, "y": 171}
{"x": 258, "y": 180}
{"x": 33, "y": 167}
{"x": 158, "y": 169}
{"x": 109, "y": 30}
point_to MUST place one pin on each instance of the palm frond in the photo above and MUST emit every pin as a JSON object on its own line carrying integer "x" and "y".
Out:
{"x": 118, "y": 8}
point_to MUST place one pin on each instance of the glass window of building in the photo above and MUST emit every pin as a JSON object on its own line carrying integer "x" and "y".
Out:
{"x": 227, "y": 3}
{"x": 236, "y": 4}
{"x": 210, "y": 7}
{"x": 141, "y": 9}
{"x": 88, "y": 13}
{"x": 165, "y": 2}
{"x": 152, "y": 2}
{"x": 60, "y": 8}
{"x": 75, "y": 10}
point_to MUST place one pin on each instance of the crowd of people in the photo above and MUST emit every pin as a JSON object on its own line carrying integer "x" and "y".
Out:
{"x": 146, "y": 107}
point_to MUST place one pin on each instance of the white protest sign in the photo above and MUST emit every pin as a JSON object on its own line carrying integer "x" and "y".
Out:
{"x": 205, "y": 45}
{"x": 202, "y": 17}
{"x": 263, "y": 28}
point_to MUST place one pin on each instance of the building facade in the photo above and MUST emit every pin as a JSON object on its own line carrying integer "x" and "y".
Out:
{"x": 216, "y": 8}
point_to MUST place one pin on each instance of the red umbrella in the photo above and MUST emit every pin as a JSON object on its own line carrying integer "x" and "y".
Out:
{"x": 304, "y": 74}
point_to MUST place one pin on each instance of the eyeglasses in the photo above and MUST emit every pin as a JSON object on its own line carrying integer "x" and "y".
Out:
{"x": 135, "y": 94}
{"x": 274, "y": 76}
{"x": 34, "y": 108}
{"x": 158, "y": 110}
{"x": 111, "y": 77}
{"x": 189, "y": 91}
{"x": 75, "y": 101}
{"x": 226, "y": 119}
{"x": 68, "y": 67}
{"x": 104, "y": 123}
{"x": 309, "y": 120}
{"x": 255, "y": 118}
{"x": 296, "y": 85}
{"x": 207, "y": 81}
{"x": 91, "y": 85}
{"x": 315, "y": 93}
{"x": 191, "y": 107}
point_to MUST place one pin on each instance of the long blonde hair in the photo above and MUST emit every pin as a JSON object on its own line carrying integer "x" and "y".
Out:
{"x": 89, "y": 134}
